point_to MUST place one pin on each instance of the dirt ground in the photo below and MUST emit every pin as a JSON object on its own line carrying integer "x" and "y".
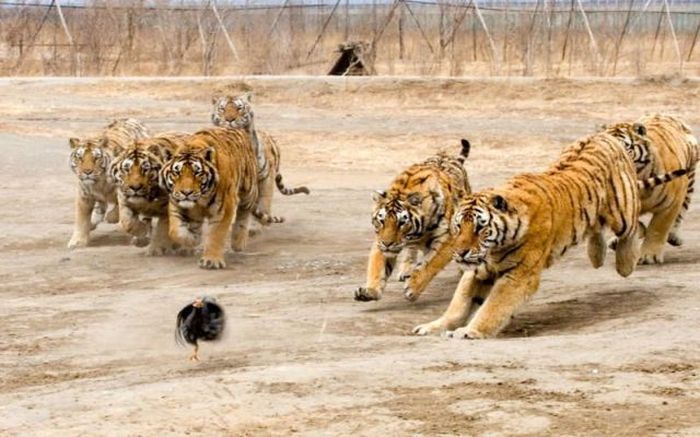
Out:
{"x": 87, "y": 343}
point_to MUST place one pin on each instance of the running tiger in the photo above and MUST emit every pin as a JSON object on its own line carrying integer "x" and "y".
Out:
{"x": 90, "y": 160}
{"x": 213, "y": 177}
{"x": 661, "y": 143}
{"x": 508, "y": 235}
{"x": 414, "y": 215}
{"x": 135, "y": 172}
{"x": 237, "y": 112}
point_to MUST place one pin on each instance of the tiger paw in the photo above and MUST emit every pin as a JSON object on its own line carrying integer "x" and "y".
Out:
{"x": 674, "y": 239}
{"x": 433, "y": 327}
{"x": 410, "y": 293}
{"x": 159, "y": 250}
{"x": 363, "y": 294}
{"x": 140, "y": 241}
{"x": 112, "y": 215}
{"x": 403, "y": 276}
{"x": 211, "y": 263}
{"x": 77, "y": 241}
{"x": 651, "y": 258}
{"x": 464, "y": 334}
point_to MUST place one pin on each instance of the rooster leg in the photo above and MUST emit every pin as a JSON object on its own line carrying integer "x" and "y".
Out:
{"x": 194, "y": 356}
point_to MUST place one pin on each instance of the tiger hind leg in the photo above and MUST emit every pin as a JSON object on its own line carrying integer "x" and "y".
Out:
{"x": 239, "y": 236}
{"x": 674, "y": 238}
{"x": 266, "y": 188}
{"x": 658, "y": 233}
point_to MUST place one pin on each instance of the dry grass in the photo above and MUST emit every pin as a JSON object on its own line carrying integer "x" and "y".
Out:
{"x": 548, "y": 39}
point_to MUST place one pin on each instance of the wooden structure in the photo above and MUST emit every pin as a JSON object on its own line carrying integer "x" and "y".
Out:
{"x": 354, "y": 59}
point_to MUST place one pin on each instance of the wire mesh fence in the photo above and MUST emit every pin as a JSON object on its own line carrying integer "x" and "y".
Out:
{"x": 406, "y": 37}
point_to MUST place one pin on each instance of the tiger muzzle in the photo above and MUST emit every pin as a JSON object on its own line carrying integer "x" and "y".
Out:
{"x": 392, "y": 248}
{"x": 469, "y": 257}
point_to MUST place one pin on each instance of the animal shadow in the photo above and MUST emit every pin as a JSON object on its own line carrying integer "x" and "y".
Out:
{"x": 578, "y": 313}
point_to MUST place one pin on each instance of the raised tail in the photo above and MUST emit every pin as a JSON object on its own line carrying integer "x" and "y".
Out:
{"x": 265, "y": 218}
{"x": 464, "y": 153}
{"x": 289, "y": 191}
{"x": 659, "y": 179}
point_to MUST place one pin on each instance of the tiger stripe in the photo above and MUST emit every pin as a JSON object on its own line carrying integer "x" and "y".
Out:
{"x": 212, "y": 177}
{"x": 507, "y": 236}
{"x": 90, "y": 160}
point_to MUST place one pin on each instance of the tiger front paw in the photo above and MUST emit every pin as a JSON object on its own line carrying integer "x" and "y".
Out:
{"x": 211, "y": 263}
{"x": 674, "y": 239}
{"x": 465, "y": 334}
{"x": 434, "y": 327}
{"x": 651, "y": 258}
{"x": 363, "y": 294}
{"x": 78, "y": 241}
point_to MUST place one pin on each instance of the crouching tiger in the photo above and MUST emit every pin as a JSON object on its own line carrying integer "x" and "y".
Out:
{"x": 660, "y": 143}
{"x": 89, "y": 160}
{"x": 141, "y": 199}
{"x": 212, "y": 177}
{"x": 413, "y": 216}
{"x": 506, "y": 237}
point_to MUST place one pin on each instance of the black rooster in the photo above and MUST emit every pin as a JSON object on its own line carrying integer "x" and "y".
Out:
{"x": 203, "y": 319}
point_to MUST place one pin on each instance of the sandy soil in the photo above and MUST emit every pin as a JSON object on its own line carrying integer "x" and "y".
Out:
{"x": 87, "y": 336}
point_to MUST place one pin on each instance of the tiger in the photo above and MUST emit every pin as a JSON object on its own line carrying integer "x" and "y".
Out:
{"x": 659, "y": 143}
{"x": 506, "y": 236}
{"x": 135, "y": 173}
{"x": 90, "y": 158}
{"x": 213, "y": 177}
{"x": 237, "y": 112}
{"x": 413, "y": 216}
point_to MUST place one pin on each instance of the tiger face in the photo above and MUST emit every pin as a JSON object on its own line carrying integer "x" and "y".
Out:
{"x": 399, "y": 219}
{"x": 89, "y": 159}
{"x": 484, "y": 222}
{"x": 190, "y": 176}
{"x": 634, "y": 138}
{"x": 232, "y": 111}
{"x": 135, "y": 172}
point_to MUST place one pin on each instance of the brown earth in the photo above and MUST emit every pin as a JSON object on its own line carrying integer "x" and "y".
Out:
{"x": 87, "y": 336}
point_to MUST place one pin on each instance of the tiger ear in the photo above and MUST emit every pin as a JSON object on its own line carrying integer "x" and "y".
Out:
{"x": 166, "y": 154}
{"x": 465, "y": 148}
{"x": 415, "y": 199}
{"x": 601, "y": 127}
{"x": 247, "y": 96}
{"x": 639, "y": 129}
{"x": 209, "y": 154}
{"x": 156, "y": 150}
{"x": 499, "y": 202}
{"x": 73, "y": 142}
{"x": 214, "y": 99}
{"x": 378, "y": 195}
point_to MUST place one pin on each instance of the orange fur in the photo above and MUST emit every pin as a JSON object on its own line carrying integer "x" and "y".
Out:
{"x": 413, "y": 216}
{"x": 507, "y": 236}
{"x": 212, "y": 177}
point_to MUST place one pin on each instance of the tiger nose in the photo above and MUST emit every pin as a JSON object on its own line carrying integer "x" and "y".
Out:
{"x": 186, "y": 192}
{"x": 136, "y": 187}
{"x": 87, "y": 171}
